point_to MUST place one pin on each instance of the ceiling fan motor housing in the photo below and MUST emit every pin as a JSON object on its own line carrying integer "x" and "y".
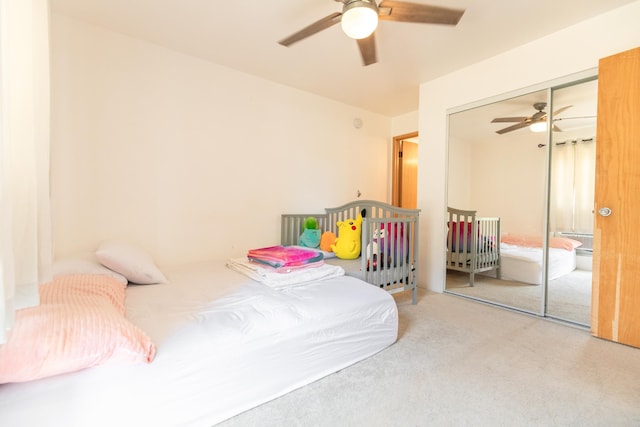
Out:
{"x": 359, "y": 3}
{"x": 539, "y": 105}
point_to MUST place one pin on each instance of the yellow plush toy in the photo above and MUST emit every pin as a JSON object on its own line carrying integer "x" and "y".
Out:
{"x": 348, "y": 245}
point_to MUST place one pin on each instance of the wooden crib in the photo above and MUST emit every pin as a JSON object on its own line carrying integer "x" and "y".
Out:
{"x": 473, "y": 243}
{"x": 398, "y": 270}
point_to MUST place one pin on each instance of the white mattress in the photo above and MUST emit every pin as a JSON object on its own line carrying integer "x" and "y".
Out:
{"x": 524, "y": 264}
{"x": 224, "y": 343}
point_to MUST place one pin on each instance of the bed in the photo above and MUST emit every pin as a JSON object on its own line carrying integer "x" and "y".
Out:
{"x": 472, "y": 243}
{"x": 522, "y": 257}
{"x": 222, "y": 344}
{"x": 399, "y": 270}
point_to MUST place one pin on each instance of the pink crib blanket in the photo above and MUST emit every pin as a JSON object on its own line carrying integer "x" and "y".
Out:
{"x": 284, "y": 256}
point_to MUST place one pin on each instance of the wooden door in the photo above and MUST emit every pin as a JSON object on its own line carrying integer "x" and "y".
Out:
{"x": 405, "y": 172}
{"x": 615, "y": 311}
{"x": 409, "y": 196}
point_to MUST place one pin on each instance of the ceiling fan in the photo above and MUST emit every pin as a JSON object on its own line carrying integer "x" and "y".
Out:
{"x": 359, "y": 19}
{"x": 539, "y": 119}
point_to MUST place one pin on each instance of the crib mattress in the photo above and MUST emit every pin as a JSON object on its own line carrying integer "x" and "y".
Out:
{"x": 524, "y": 264}
{"x": 351, "y": 267}
{"x": 224, "y": 343}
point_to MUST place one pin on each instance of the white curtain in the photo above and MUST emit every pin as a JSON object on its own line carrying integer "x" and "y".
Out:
{"x": 562, "y": 195}
{"x": 585, "y": 171}
{"x": 25, "y": 211}
{"x": 572, "y": 186}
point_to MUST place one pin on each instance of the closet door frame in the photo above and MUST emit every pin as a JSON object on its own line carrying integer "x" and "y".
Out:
{"x": 549, "y": 87}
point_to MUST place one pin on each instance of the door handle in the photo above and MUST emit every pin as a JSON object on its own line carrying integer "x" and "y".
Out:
{"x": 604, "y": 211}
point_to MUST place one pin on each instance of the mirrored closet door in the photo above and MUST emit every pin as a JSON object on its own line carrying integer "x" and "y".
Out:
{"x": 504, "y": 164}
{"x": 571, "y": 202}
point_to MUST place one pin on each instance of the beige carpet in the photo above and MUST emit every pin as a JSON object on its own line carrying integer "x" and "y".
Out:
{"x": 569, "y": 297}
{"x": 462, "y": 363}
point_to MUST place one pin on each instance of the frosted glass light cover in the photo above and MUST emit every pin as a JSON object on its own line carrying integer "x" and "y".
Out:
{"x": 538, "y": 127}
{"x": 359, "y": 22}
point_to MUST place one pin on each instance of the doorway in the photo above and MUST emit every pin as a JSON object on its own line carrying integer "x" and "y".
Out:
{"x": 405, "y": 171}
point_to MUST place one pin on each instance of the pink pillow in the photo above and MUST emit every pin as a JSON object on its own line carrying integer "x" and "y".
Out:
{"x": 79, "y": 323}
{"x": 536, "y": 241}
{"x": 522, "y": 240}
{"x": 564, "y": 243}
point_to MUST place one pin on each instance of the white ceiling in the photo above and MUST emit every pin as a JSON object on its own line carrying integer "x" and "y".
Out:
{"x": 244, "y": 35}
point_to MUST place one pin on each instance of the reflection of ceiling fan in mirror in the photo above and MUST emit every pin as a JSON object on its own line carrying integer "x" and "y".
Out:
{"x": 359, "y": 20}
{"x": 537, "y": 121}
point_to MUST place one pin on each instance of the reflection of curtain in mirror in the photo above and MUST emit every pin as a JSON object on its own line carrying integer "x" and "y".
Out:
{"x": 572, "y": 186}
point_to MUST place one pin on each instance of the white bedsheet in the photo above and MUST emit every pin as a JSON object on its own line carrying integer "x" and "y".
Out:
{"x": 277, "y": 280}
{"x": 225, "y": 344}
{"x": 524, "y": 264}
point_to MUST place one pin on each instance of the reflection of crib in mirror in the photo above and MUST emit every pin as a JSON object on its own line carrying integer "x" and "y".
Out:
{"x": 473, "y": 243}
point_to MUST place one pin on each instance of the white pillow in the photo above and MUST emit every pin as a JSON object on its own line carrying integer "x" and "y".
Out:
{"x": 84, "y": 264}
{"x": 131, "y": 261}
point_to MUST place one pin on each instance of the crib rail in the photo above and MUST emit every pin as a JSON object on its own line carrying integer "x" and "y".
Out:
{"x": 389, "y": 241}
{"x": 389, "y": 259}
{"x": 292, "y": 226}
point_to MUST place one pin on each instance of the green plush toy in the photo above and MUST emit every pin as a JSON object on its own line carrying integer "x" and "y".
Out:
{"x": 310, "y": 236}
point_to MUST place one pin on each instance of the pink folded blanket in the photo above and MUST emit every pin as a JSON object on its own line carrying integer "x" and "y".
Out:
{"x": 284, "y": 256}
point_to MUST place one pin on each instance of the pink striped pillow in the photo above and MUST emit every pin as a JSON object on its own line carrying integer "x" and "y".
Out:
{"x": 79, "y": 323}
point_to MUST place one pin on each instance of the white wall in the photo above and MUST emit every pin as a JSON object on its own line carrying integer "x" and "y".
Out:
{"x": 189, "y": 159}
{"x": 508, "y": 180}
{"x": 404, "y": 124}
{"x": 569, "y": 51}
{"x": 459, "y": 162}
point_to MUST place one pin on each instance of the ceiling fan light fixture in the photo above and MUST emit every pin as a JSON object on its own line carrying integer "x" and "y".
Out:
{"x": 538, "y": 127}
{"x": 359, "y": 18}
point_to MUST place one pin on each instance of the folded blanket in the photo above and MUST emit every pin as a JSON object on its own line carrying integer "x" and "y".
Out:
{"x": 284, "y": 256}
{"x": 278, "y": 280}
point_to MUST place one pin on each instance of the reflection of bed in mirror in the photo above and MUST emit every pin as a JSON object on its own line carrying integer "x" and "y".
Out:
{"x": 521, "y": 258}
